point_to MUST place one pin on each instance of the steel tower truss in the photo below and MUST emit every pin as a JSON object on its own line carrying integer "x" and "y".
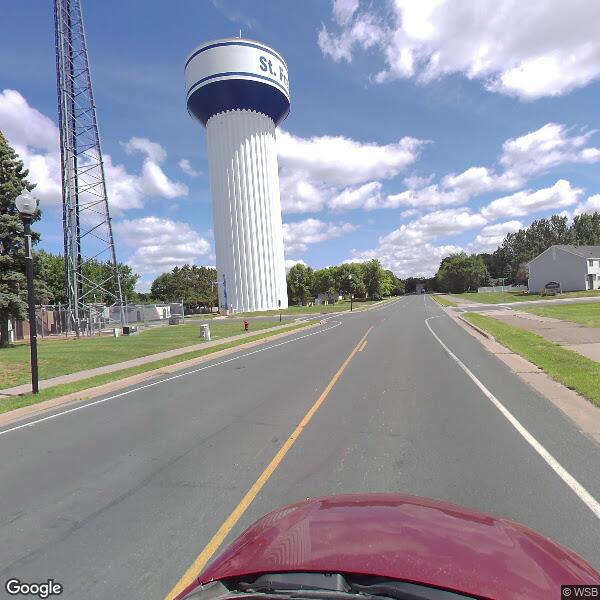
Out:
{"x": 86, "y": 218}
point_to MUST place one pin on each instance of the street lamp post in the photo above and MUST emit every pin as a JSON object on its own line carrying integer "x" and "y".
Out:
{"x": 27, "y": 205}
{"x": 351, "y": 291}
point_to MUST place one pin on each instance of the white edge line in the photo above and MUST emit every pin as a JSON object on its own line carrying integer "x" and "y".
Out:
{"x": 575, "y": 486}
{"x": 142, "y": 387}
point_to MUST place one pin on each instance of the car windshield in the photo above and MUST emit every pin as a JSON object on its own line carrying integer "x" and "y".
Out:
{"x": 299, "y": 287}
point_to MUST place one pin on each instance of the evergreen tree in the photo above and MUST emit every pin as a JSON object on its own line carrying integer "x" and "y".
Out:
{"x": 13, "y": 285}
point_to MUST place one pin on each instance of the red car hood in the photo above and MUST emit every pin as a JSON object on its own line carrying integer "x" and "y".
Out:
{"x": 408, "y": 538}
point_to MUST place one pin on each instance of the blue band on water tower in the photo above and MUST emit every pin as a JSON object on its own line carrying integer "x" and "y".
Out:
{"x": 213, "y": 98}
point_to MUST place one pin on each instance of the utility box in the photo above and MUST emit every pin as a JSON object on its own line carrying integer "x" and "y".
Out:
{"x": 130, "y": 330}
{"x": 205, "y": 332}
{"x": 116, "y": 332}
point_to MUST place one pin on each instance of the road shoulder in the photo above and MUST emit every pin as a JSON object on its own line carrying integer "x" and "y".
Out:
{"x": 582, "y": 412}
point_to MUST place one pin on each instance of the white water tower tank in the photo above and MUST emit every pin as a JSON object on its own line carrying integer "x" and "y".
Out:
{"x": 239, "y": 90}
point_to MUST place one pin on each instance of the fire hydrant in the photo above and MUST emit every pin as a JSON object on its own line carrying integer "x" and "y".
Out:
{"x": 245, "y": 325}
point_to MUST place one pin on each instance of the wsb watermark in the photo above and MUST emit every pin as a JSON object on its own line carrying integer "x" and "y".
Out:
{"x": 580, "y": 591}
{"x": 16, "y": 587}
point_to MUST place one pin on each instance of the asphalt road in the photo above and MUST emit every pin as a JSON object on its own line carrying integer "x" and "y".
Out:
{"x": 116, "y": 499}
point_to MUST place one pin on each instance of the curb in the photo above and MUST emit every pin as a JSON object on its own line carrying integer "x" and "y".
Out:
{"x": 31, "y": 410}
{"x": 476, "y": 328}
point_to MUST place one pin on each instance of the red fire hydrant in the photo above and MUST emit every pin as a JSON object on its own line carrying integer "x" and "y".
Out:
{"x": 245, "y": 325}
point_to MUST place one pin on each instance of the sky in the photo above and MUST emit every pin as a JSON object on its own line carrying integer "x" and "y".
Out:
{"x": 417, "y": 129}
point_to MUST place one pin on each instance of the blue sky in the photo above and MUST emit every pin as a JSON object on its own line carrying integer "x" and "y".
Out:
{"x": 416, "y": 129}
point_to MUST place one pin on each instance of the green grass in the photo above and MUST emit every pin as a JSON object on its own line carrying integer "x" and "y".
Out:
{"x": 15, "y": 402}
{"x": 308, "y": 310}
{"x": 501, "y": 297}
{"x": 576, "y": 372}
{"x": 443, "y": 300}
{"x": 587, "y": 314}
{"x": 62, "y": 356}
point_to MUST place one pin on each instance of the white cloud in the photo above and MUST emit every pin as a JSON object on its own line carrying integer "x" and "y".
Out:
{"x": 298, "y": 235}
{"x": 546, "y": 148}
{"x": 427, "y": 197}
{"x": 480, "y": 180}
{"x": 560, "y": 195}
{"x": 522, "y": 157}
{"x": 408, "y": 260}
{"x": 339, "y": 160}
{"x": 35, "y": 137}
{"x": 301, "y": 194}
{"x": 591, "y": 205}
{"x": 152, "y": 180}
{"x": 364, "y": 31}
{"x": 317, "y": 171}
{"x": 186, "y": 167}
{"x": 409, "y": 212}
{"x": 290, "y": 262}
{"x": 417, "y": 181}
{"x": 365, "y": 196}
{"x": 436, "y": 224}
{"x": 343, "y": 10}
{"x": 523, "y": 49}
{"x": 491, "y": 236}
{"x": 152, "y": 150}
{"x": 160, "y": 244}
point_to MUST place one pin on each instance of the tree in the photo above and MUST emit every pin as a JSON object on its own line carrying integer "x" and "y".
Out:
{"x": 458, "y": 272}
{"x": 585, "y": 230}
{"x": 191, "y": 284}
{"x": 324, "y": 282}
{"x": 300, "y": 283}
{"x": 523, "y": 245}
{"x": 397, "y": 288}
{"x": 347, "y": 285}
{"x": 13, "y": 286}
{"x": 51, "y": 269}
{"x": 410, "y": 283}
{"x": 100, "y": 285}
{"x": 373, "y": 278}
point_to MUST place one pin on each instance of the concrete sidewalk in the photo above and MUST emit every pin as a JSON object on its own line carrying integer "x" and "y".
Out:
{"x": 581, "y": 339}
{"x": 142, "y": 360}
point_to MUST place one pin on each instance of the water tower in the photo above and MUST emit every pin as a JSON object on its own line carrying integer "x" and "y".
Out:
{"x": 239, "y": 90}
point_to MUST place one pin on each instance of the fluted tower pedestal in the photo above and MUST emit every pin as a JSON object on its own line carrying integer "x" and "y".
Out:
{"x": 239, "y": 90}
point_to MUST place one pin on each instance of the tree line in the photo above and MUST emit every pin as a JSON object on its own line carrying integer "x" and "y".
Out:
{"x": 363, "y": 280}
{"x": 460, "y": 271}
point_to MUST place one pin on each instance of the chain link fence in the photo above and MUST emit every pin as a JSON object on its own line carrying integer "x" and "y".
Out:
{"x": 97, "y": 319}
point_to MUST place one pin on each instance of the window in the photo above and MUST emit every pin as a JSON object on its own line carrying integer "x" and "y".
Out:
{"x": 590, "y": 262}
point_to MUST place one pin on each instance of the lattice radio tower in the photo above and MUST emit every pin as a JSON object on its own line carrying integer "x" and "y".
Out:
{"x": 86, "y": 218}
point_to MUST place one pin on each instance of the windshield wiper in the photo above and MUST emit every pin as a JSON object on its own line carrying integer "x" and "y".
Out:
{"x": 316, "y": 594}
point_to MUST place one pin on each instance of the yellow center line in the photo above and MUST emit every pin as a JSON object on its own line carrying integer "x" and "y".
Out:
{"x": 217, "y": 539}
{"x": 364, "y": 345}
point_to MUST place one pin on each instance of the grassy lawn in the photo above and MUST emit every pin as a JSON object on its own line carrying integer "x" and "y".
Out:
{"x": 308, "y": 310}
{"x": 443, "y": 300}
{"x": 501, "y": 297}
{"x": 62, "y": 356}
{"x": 565, "y": 366}
{"x": 15, "y": 402}
{"x": 587, "y": 314}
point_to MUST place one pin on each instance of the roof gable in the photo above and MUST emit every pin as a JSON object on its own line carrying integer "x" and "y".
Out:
{"x": 581, "y": 251}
